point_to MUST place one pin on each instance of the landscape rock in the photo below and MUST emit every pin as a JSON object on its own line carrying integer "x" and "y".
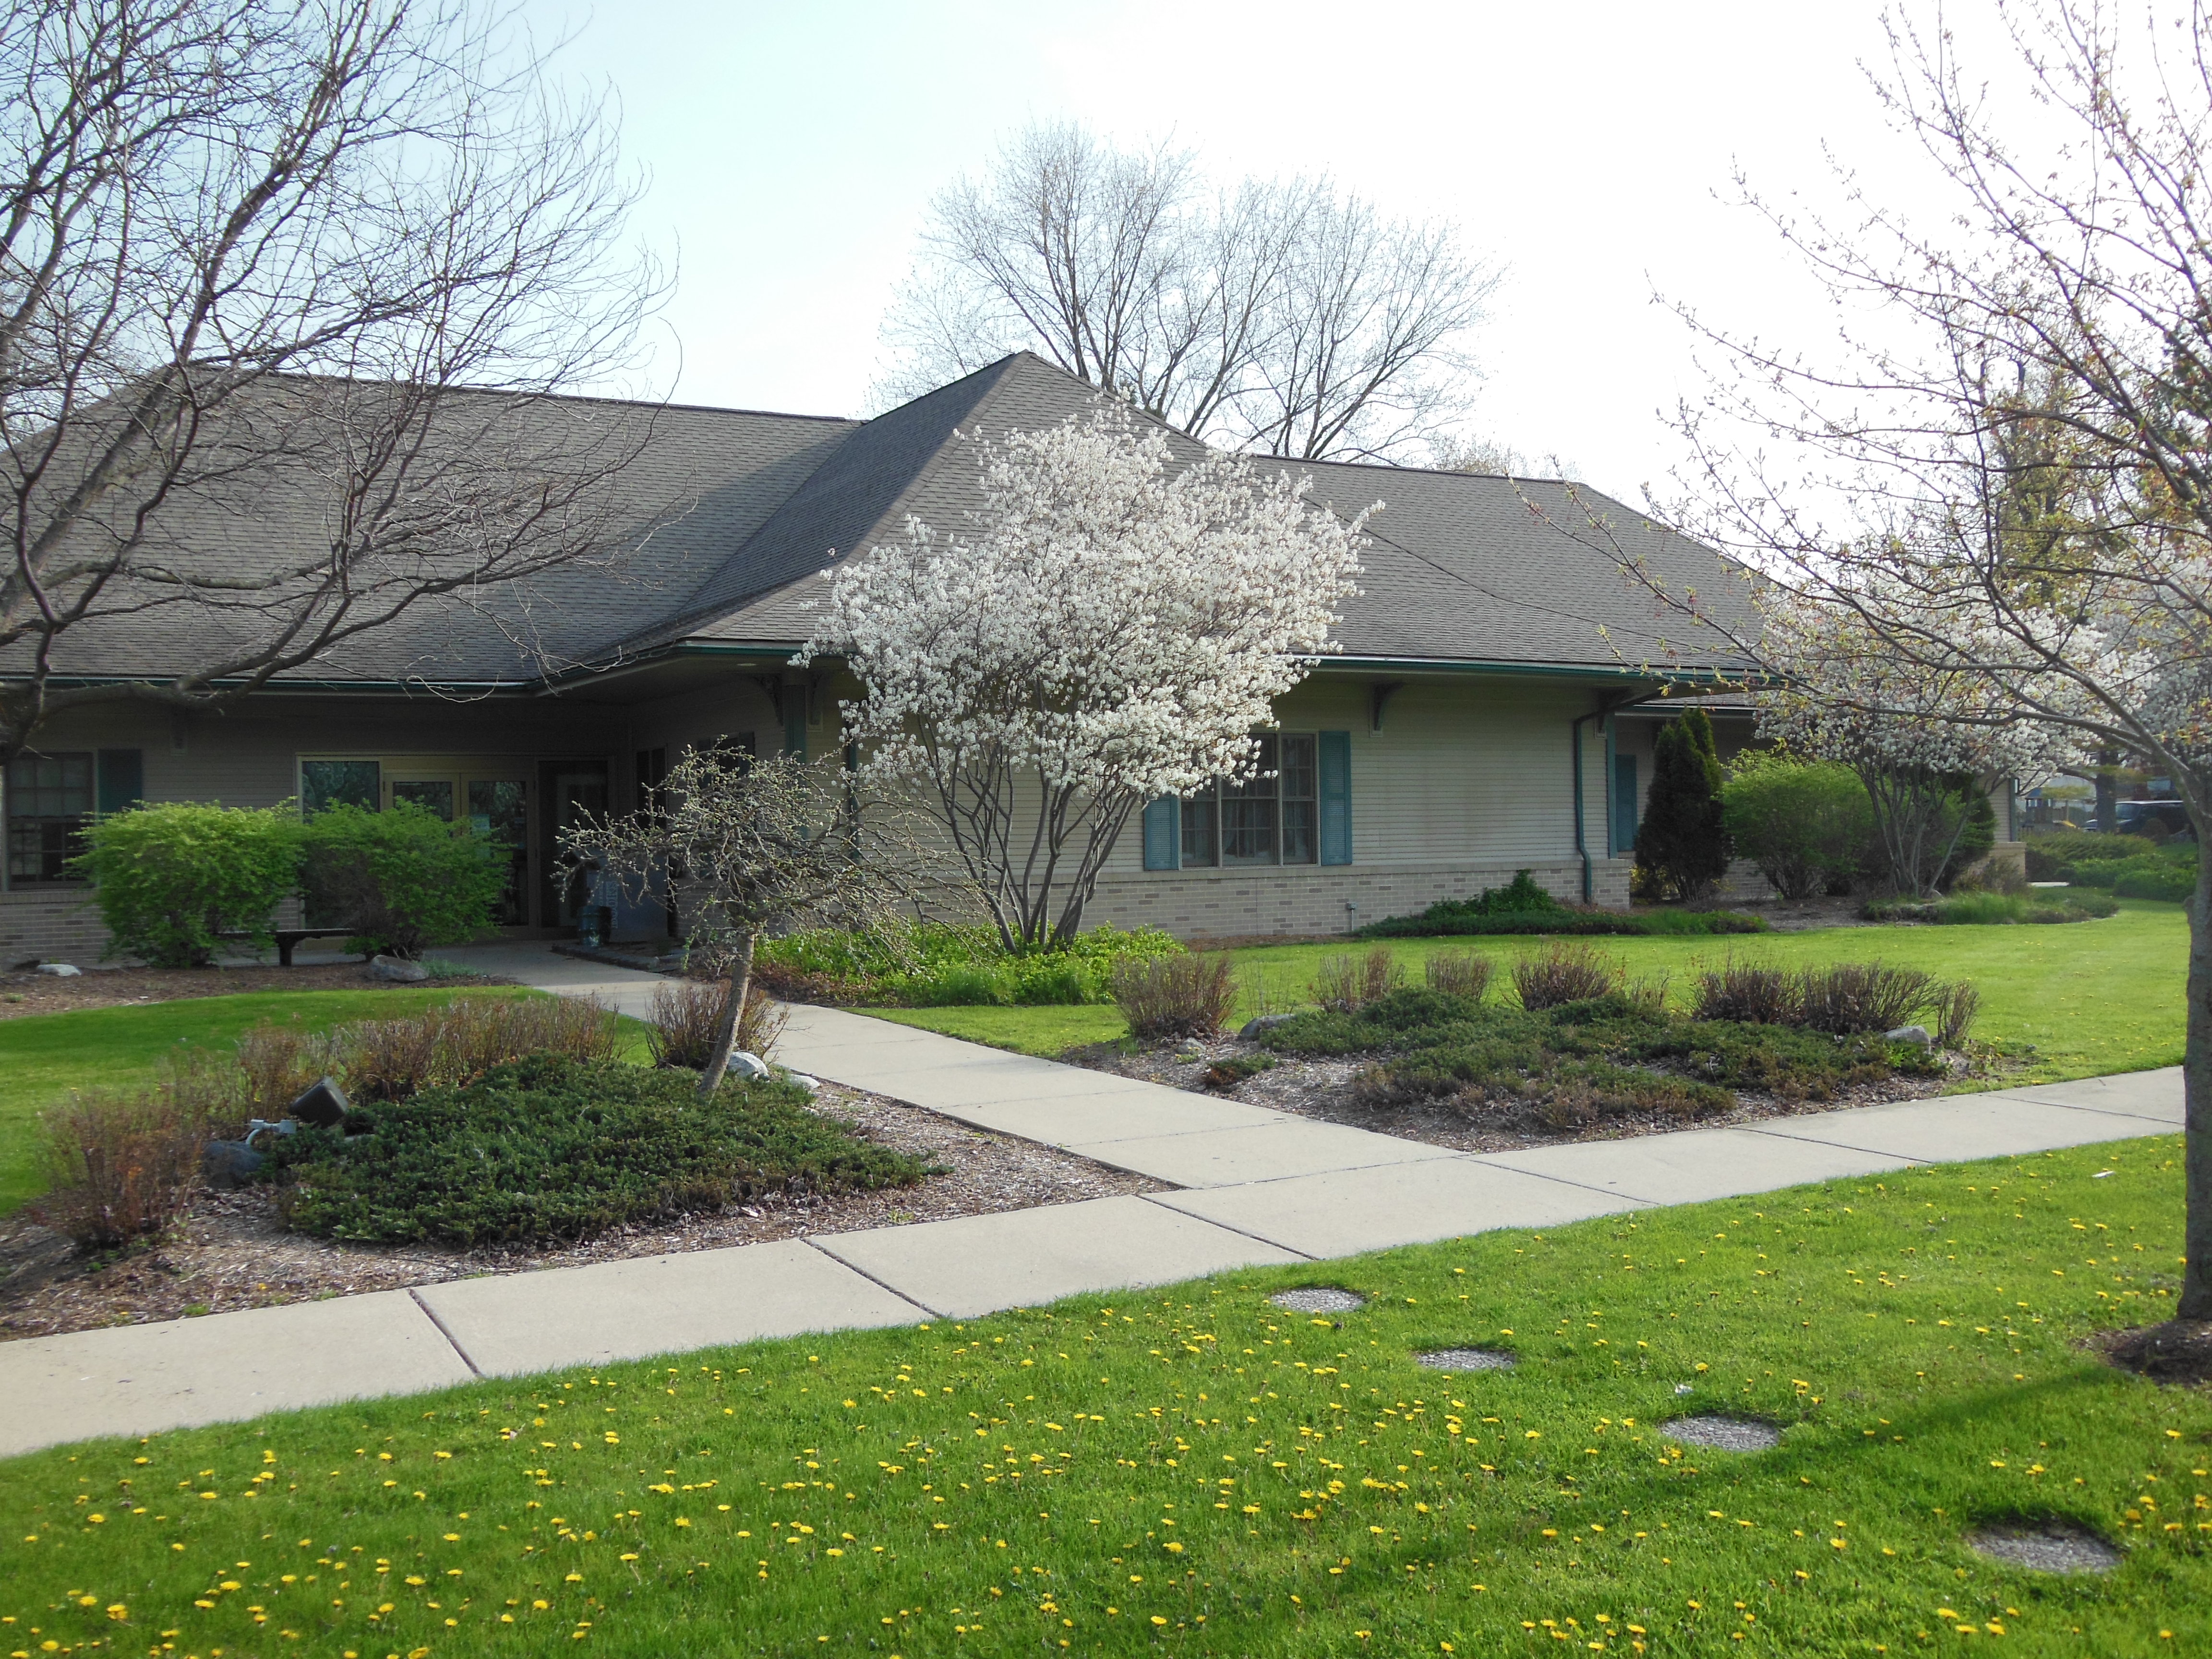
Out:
{"x": 1249, "y": 1032}
{"x": 229, "y": 1162}
{"x": 398, "y": 970}
{"x": 747, "y": 1066}
{"x": 60, "y": 970}
{"x": 811, "y": 1085}
{"x": 1909, "y": 1034}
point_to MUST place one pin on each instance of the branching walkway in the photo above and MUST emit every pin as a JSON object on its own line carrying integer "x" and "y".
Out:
{"x": 1254, "y": 1186}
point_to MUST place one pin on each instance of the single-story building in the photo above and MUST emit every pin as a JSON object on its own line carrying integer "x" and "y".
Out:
{"x": 1493, "y": 707}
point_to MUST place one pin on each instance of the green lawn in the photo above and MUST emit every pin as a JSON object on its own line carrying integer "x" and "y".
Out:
{"x": 2087, "y": 997}
{"x": 1192, "y": 1471}
{"x": 43, "y": 1057}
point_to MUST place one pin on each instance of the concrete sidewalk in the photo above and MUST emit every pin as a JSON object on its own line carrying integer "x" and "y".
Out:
{"x": 1256, "y": 1188}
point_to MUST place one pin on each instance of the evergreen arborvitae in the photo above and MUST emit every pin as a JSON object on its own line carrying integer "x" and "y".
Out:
{"x": 1681, "y": 849}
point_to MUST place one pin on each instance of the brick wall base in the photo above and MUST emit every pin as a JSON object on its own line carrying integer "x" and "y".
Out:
{"x": 1225, "y": 904}
{"x": 59, "y": 924}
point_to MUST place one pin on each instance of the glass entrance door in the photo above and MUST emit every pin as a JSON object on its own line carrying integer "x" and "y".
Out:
{"x": 500, "y": 808}
{"x": 578, "y": 798}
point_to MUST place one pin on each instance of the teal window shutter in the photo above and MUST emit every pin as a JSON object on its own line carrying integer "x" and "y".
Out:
{"x": 1624, "y": 804}
{"x": 1161, "y": 852}
{"x": 1336, "y": 798}
{"x": 122, "y": 779}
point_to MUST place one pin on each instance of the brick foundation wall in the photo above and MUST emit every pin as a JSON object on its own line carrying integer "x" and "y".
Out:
{"x": 1227, "y": 904}
{"x": 56, "y": 925}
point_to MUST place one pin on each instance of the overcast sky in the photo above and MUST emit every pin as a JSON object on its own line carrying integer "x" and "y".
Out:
{"x": 1587, "y": 148}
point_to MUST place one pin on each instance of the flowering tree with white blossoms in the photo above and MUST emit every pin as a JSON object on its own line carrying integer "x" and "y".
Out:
{"x": 1113, "y": 629}
{"x": 1926, "y": 741}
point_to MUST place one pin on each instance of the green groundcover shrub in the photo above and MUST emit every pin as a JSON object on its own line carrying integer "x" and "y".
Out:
{"x": 2132, "y": 866}
{"x": 1522, "y": 907}
{"x": 172, "y": 880}
{"x": 404, "y": 877}
{"x": 1994, "y": 909}
{"x": 550, "y": 1148}
{"x": 1582, "y": 1063}
{"x": 936, "y": 964}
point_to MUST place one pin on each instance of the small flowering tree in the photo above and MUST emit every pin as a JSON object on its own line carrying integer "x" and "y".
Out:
{"x": 752, "y": 845}
{"x": 1112, "y": 630}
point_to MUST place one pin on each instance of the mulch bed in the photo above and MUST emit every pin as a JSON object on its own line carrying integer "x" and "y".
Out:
{"x": 231, "y": 1252}
{"x": 22, "y": 994}
{"x": 2179, "y": 1350}
{"x": 1322, "y": 1089}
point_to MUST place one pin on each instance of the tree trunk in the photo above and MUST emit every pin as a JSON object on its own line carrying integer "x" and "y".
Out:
{"x": 725, "y": 1032}
{"x": 2196, "y": 1085}
{"x": 2108, "y": 791}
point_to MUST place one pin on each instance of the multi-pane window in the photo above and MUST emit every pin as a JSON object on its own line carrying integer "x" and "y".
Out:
{"x": 49, "y": 797}
{"x": 1266, "y": 818}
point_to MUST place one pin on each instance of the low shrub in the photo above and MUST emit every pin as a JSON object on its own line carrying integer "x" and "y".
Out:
{"x": 938, "y": 965}
{"x": 120, "y": 1166}
{"x": 1447, "y": 918}
{"x": 1993, "y": 909}
{"x": 405, "y": 878}
{"x": 1564, "y": 973}
{"x": 1579, "y": 1063}
{"x": 390, "y": 1059}
{"x": 1758, "y": 994}
{"x": 1187, "y": 996}
{"x": 1344, "y": 982}
{"x": 171, "y": 881}
{"x": 686, "y": 1013}
{"x": 1227, "y": 1074}
{"x": 1460, "y": 973}
{"x": 1951, "y": 1010}
{"x": 554, "y": 1148}
{"x": 2052, "y": 854}
{"x": 1847, "y": 998}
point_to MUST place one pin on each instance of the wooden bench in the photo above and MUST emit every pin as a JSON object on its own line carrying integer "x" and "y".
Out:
{"x": 289, "y": 940}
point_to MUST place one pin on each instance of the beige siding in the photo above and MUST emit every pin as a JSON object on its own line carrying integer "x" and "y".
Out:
{"x": 1469, "y": 781}
{"x": 249, "y": 756}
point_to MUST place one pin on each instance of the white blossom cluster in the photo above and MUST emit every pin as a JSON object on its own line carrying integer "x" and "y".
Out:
{"x": 1112, "y": 629}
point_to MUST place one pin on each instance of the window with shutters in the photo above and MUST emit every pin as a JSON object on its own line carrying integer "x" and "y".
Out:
{"x": 1295, "y": 809}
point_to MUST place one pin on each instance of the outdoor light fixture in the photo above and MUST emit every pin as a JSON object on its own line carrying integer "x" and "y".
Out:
{"x": 323, "y": 1106}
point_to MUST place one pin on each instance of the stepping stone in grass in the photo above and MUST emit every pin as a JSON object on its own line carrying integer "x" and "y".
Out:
{"x": 1318, "y": 1299}
{"x": 1735, "y": 1434}
{"x": 1466, "y": 1359}
{"x": 2045, "y": 1546}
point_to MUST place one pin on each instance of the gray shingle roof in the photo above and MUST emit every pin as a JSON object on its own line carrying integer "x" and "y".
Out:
{"x": 726, "y": 520}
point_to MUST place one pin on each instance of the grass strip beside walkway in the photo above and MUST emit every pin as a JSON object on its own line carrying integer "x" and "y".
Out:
{"x": 44, "y": 1056}
{"x": 1194, "y": 1470}
{"x": 2088, "y": 998}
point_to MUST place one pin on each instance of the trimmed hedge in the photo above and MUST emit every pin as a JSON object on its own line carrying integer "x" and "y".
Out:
{"x": 1447, "y": 918}
{"x": 172, "y": 880}
{"x": 547, "y": 1148}
{"x": 403, "y": 877}
{"x": 937, "y": 964}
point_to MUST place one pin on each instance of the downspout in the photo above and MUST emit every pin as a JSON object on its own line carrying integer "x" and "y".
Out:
{"x": 1581, "y": 844}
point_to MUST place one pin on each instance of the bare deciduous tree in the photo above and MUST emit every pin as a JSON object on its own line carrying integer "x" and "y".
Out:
{"x": 260, "y": 256}
{"x": 1280, "y": 317}
{"x": 1992, "y": 511}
